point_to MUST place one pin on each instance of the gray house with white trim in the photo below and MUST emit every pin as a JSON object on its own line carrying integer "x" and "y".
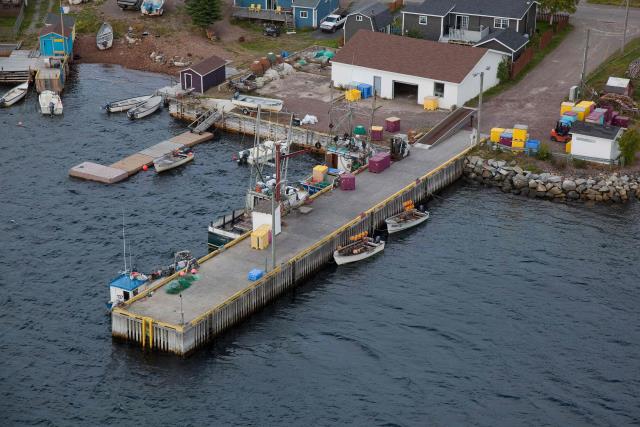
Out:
{"x": 469, "y": 21}
{"x": 373, "y": 17}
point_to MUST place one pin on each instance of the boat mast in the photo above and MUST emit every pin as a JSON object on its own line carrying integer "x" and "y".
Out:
{"x": 124, "y": 244}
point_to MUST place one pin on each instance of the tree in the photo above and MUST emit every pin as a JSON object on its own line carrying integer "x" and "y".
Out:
{"x": 629, "y": 144}
{"x": 204, "y": 12}
{"x": 504, "y": 72}
{"x": 554, "y": 6}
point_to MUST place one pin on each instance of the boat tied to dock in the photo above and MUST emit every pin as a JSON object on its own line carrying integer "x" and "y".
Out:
{"x": 14, "y": 95}
{"x": 126, "y": 104}
{"x": 406, "y": 219}
{"x": 361, "y": 247}
{"x": 145, "y": 109}
{"x": 50, "y": 103}
{"x": 174, "y": 159}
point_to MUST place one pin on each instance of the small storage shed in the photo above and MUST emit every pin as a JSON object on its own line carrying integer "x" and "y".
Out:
{"x": 56, "y": 38}
{"x": 595, "y": 143}
{"x": 619, "y": 85}
{"x": 203, "y": 75}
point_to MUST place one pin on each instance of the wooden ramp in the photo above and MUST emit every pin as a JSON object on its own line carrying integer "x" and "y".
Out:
{"x": 134, "y": 163}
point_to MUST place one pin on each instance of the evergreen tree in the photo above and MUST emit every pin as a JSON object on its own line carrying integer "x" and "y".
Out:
{"x": 204, "y": 12}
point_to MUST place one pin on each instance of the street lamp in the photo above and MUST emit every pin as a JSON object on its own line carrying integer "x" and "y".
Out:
{"x": 481, "y": 74}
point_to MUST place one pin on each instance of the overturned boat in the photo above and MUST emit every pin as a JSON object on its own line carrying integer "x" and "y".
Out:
{"x": 126, "y": 104}
{"x": 104, "y": 38}
{"x": 248, "y": 102}
{"x": 145, "y": 109}
{"x": 173, "y": 160}
{"x": 361, "y": 248}
{"x": 152, "y": 7}
{"x": 50, "y": 103}
{"x": 14, "y": 95}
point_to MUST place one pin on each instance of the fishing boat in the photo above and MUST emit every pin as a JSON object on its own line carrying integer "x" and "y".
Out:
{"x": 145, "y": 109}
{"x": 14, "y": 95}
{"x": 126, "y": 104}
{"x": 227, "y": 228}
{"x": 405, "y": 220}
{"x": 361, "y": 248}
{"x": 104, "y": 38}
{"x": 152, "y": 7}
{"x": 50, "y": 103}
{"x": 248, "y": 102}
{"x": 174, "y": 159}
{"x": 262, "y": 153}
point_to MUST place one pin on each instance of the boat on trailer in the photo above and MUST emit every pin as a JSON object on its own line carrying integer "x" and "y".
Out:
{"x": 14, "y": 95}
{"x": 145, "y": 109}
{"x": 248, "y": 102}
{"x": 126, "y": 104}
{"x": 174, "y": 159}
{"x": 405, "y": 220}
{"x": 361, "y": 248}
{"x": 104, "y": 38}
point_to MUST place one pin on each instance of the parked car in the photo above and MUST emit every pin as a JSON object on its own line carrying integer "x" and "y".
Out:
{"x": 129, "y": 4}
{"x": 271, "y": 30}
{"x": 333, "y": 23}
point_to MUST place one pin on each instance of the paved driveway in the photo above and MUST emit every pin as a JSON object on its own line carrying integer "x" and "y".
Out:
{"x": 536, "y": 99}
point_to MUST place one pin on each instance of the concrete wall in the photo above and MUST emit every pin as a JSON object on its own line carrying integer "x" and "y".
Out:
{"x": 431, "y": 31}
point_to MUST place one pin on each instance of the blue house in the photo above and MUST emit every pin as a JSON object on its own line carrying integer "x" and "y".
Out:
{"x": 294, "y": 14}
{"x": 57, "y": 36}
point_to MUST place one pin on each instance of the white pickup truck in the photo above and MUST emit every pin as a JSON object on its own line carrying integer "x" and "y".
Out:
{"x": 333, "y": 23}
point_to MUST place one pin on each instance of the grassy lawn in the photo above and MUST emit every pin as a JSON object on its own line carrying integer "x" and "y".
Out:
{"x": 616, "y": 65}
{"x": 7, "y": 21}
{"x": 632, "y": 3}
{"x": 537, "y": 58}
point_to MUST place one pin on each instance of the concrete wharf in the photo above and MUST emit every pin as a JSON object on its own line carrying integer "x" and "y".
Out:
{"x": 224, "y": 296}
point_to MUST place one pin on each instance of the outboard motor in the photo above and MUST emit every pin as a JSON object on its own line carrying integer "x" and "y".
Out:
{"x": 52, "y": 107}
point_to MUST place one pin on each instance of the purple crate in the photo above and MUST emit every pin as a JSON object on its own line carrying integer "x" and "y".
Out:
{"x": 622, "y": 121}
{"x": 379, "y": 162}
{"x": 392, "y": 124}
{"x": 347, "y": 182}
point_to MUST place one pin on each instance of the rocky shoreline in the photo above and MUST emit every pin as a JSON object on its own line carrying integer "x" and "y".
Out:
{"x": 511, "y": 178}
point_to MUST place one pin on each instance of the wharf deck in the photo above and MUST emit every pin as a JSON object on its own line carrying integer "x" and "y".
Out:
{"x": 224, "y": 276}
{"x": 124, "y": 168}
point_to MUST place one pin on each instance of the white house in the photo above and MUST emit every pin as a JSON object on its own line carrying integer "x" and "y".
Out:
{"x": 595, "y": 143}
{"x": 395, "y": 64}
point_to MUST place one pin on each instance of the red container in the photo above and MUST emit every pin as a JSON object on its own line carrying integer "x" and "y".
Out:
{"x": 377, "y": 133}
{"x": 379, "y": 162}
{"x": 505, "y": 140}
{"x": 622, "y": 121}
{"x": 347, "y": 182}
{"x": 392, "y": 124}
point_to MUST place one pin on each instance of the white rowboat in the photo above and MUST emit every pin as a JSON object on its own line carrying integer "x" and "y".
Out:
{"x": 50, "y": 103}
{"x": 405, "y": 220}
{"x": 126, "y": 104}
{"x": 357, "y": 251}
{"x": 147, "y": 108}
{"x": 173, "y": 160}
{"x": 247, "y": 102}
{"x": 104, "y": 38}
{"x": 14, "y": 95}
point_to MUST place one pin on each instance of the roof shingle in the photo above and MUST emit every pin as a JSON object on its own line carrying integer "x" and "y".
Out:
{"x": 413, "y": 57}
{"x": 207, "y": 65}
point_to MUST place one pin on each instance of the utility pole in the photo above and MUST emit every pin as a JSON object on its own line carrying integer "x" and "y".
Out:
{"x": 275, "y": 196}
{"x": 480, "y": 107}
{"x": 624, "y": 32}
{"x": 584, "y": 65}
{"x": 181, "y": 311}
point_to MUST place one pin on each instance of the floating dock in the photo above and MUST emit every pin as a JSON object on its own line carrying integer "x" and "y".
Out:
{"x": 133, "y": 164}
{"x": 224, "y": 296}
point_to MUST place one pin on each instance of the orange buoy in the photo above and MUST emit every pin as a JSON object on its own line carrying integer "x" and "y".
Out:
{"x": 194, "y": 271}
{"x": 145, "y": 168}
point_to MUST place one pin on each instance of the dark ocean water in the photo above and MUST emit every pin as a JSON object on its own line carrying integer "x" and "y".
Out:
{"x": 500, "y": 311}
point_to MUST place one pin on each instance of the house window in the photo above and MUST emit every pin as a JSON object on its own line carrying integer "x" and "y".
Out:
{"x": 304, "y": 14}
{"x": 359, "y": 18}
{"x": 422, "y": 20}
{"x": 438, "y": 89}
{"x": 501, "y": 23}
{"x": 462, "y": 22}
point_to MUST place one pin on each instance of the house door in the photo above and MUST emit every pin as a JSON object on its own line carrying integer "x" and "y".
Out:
{"x": 377, "y": 84}
{"x": 188, "y": 82}
{"x": 462, "y": 22}
{"x": 47, "y": 46}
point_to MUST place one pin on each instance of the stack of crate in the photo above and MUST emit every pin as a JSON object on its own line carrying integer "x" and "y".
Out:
{"x": 520, "y": 136}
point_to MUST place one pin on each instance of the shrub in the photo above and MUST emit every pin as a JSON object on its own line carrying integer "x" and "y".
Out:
{"x": 629, "y": 144}
{"x": 544, "y": 153}
{"x": 504, "y": 72}
{"x": 413, "y": 33}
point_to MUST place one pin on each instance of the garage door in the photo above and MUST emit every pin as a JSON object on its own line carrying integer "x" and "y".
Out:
{"x": 406, "y": 91}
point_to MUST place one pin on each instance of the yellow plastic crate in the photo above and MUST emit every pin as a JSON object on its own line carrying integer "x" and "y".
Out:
{"x": 431, "y": 103}
{"x": 588, "y": 106}
{"x": 520, "y": 134}
{"x": 567, "y": 147}
{"x": 260, "y": 237}
{"x": 580, "y": 112}
{"x": 319, "y": 173}
{"x": 566, "y": 106}
{"x": 352, "y": 95}
{"x": 495, "y": 134}
{"x": 517, "y": 143}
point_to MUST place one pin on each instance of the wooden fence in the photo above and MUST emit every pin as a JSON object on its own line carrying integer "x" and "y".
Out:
{"x": 519, "y": 64}
{"x": 545, "y": 39}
